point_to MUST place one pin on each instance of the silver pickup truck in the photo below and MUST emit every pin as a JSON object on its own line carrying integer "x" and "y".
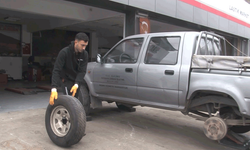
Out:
{"x": 184, "y": 71}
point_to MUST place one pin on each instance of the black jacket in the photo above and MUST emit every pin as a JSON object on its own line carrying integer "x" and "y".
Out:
{"x": 70, "y": 66}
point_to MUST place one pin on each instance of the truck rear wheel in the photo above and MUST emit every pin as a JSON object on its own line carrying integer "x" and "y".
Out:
{"x": 65, "y": 121}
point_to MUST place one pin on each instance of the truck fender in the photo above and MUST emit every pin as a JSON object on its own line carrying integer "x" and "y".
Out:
{"x": 94, "y": 102}
{"x": 230, "y": 90}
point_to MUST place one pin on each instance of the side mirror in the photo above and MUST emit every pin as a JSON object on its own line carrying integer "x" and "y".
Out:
{"x": 99, "y": 58}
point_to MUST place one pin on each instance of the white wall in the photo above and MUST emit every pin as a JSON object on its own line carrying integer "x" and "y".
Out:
{"x": 12, "y": 66}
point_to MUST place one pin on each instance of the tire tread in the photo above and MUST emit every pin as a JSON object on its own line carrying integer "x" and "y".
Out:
{"x": 78, "y": 125}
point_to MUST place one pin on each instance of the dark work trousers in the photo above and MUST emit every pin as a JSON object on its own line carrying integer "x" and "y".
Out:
{"x": 69, "y": 84}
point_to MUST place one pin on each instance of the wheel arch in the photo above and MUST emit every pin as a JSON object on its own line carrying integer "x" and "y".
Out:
{"x": 197, "y": 97}
{"x": 234, "y": 94}
{"x": 89, "y": 85}
{"x": 218, "y": 99}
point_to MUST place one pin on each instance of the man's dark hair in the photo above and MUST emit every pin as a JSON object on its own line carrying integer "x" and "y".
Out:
{"x": 82, "y": 36}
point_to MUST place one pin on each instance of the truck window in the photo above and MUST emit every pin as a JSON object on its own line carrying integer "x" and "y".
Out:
{"x": 162, "y": 50}
{"x": 217, "y": 48}
{"x": 209, "y": 47}
{"x": 125, "y": 52}
{"x": 202, "y": 50}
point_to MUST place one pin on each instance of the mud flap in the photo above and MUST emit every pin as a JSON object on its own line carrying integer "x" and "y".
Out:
{"x": 95, "y": 103}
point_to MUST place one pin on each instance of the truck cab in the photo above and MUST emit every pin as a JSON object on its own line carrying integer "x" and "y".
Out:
{"x": 142, "y": 70}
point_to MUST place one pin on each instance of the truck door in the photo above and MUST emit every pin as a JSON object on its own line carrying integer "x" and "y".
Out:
{"x": 116, "y": 76}
{"x": 158, "y": 73}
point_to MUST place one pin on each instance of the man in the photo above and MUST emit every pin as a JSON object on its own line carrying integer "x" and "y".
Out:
{"x": 70, "y": 67}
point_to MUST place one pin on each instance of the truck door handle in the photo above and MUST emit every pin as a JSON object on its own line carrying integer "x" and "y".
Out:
{"x": 169, "y": 72}
{"x": 128, "y": 69}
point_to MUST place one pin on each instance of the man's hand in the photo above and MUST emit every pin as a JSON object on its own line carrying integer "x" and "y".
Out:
{"x": 53, "y": 96}
{"x": 74, "y": 89}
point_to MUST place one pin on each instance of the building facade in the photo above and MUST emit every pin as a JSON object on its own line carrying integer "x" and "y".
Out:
{"x": 40, "y": 28}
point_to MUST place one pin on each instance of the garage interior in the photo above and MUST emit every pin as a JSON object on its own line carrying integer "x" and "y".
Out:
{"x": 31, "y": 37}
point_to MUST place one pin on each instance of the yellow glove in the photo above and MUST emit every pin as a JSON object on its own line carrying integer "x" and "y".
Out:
{"x": 74, "y": 89}
{"x": 53, "y": 96}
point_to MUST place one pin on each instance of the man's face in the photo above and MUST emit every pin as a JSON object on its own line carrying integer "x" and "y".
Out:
{"x": 80, "y": 45}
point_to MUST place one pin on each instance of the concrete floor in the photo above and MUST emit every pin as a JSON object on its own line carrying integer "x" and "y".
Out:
{"x": 110, "y": 129}
{"x": 23, "y": 127}
{"x": 11, "y": 101}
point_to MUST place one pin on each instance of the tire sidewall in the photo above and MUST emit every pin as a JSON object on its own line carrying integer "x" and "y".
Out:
{"x": 67, "y": 102}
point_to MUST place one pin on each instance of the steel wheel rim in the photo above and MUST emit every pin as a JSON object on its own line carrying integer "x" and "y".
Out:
{"x": 60, "y": 121}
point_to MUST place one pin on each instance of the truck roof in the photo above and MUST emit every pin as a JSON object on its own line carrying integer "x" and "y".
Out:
{"x": 160, "y": 33}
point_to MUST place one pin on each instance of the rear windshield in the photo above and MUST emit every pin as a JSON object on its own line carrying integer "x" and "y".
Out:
{"x": 210, "y": 46}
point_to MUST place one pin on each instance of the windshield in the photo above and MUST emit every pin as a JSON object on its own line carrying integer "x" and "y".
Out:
{"x": 125, "y": 52}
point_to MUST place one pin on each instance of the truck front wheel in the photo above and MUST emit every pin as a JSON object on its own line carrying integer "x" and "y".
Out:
{"x": 125, "y": 107}
{"x": 84, "y": 98}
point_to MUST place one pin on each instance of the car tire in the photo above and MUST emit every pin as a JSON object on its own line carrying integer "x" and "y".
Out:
{"x": 65, "y": 121}
{"x": 84, "y": 98}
